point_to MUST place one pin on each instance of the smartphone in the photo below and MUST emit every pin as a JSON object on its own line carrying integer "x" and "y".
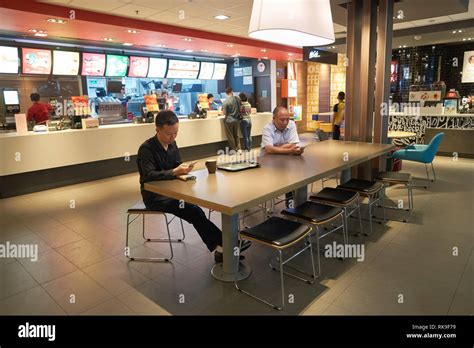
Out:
{"x": 192, "y": 164}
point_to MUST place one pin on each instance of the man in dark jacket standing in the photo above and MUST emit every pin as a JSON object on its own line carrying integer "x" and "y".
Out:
{"x": 231, "y": 108}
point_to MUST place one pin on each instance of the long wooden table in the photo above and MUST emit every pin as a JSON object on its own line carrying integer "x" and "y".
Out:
{"x": 232, "y": 193}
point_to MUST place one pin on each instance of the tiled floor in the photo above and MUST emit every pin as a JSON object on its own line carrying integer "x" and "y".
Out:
{"x": 422, "y": 267}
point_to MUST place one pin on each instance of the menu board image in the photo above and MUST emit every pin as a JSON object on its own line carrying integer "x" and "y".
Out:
{"x": 157, "y": 67}
{"x": 65, "y": 63}
{"x": 468, "y": 67}
{"x": 207, "y": 69}
{"x": 219, "y": 71}
{"x": 138, "y": 67}
{"x": 36, "y": 61}
{"x": 116, "y": 65}
{"x": 8, "y": 60}
{"x": 182, "y": 69}
{"x": 93, "y": 64}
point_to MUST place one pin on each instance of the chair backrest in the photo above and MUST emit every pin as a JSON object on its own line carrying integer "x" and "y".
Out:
{"x": 432, "y": 148}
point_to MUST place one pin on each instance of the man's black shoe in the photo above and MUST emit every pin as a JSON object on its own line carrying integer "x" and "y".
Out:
{"x": 245, "y": 245}
{"x": 219, "y": 257}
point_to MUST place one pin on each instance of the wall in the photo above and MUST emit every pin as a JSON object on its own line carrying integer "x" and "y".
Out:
{"x": 419, "y": 65}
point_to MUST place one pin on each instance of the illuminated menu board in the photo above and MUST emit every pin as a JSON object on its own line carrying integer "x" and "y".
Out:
{"x": 65, "y": 63}
{"x": 36, "y": 61}
{"x": 157, "y": 67}
{"x": 93, "y": 64}
{"x": 206, "y": 72}
{"x": 138, "y": 67}
{"x": 182, "y": 69}
{"x": 8, "y": 60}
{"x": 116, "y": 65}
{"x": 219, "y": 71}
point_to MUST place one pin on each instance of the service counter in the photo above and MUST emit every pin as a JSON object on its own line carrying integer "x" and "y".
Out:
{"x": 37, "y": 161}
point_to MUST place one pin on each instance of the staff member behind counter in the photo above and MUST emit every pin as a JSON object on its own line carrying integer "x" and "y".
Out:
{"x": 212, "y": 104}
{"x": 39, "y": 112}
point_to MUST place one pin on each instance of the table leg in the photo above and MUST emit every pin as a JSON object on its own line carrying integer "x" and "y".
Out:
{"x": 300, "y": 195}
{"x": 231, "y": 266}
{"x": 345, "y": 176}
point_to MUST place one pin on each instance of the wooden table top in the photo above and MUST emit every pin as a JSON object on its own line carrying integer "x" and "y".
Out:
{"x": 233, "y": 192}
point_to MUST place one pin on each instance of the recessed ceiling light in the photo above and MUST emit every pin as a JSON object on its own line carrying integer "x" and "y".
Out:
{"x": 187, "y": 39}
{"x": 265, "y": 57}
{"x": 237, "y": 54}
{"x": 454, "y": 31}
{"x": 230, "y": 45}
{"x": 203, "y": 50}
{"x": 333, "y": 46}
{"x": 41, "y": 34}
{"x": 160, "y": 45}
{"x": 404, "y": 46}
{"x": 459, "y": 31}
{"x": 221, "y": 17}
{"x": 290, "y": 54}
{"x": 464, "y": 39}
{"x": 263, "y": 50}
{"x": 188, "y": 51}
{"x": 127, "y": 44}
{"x": 417, "y": 37}
{"x": 57, "y": 21}
{"x": 108, "y": 39}
{"x": 131, "y": 31}
{"x": 33, "y": 30}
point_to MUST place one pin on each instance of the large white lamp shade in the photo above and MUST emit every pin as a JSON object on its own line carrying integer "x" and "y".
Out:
{"x": 292, "y": 22}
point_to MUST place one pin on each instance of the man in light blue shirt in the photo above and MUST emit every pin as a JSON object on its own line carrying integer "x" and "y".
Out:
{"x": 280, "y": 136}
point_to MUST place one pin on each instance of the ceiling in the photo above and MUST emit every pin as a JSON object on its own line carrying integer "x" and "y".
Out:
{"x": 431, "y": 22}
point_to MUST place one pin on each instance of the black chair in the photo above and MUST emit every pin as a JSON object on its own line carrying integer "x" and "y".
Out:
{"x": 280, "y": 234}
{"x": 373, "y": 190}
{"x": 140, "y": 209}
{"x": 318, "y": 214}
{"x": 347, "y": 200}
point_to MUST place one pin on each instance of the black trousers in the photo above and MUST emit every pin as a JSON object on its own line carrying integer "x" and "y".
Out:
{"x": 210, "y": 234}
{"x": 336, "y": 132}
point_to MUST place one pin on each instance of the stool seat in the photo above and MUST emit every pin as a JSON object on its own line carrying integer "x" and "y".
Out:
{"x": 140, "y": 208}
{"x": 394, "y": 177}
{"x": 312, "y": 212}
{"x": 277, "y": 231}
{"x": 335, "y": 195}
{"x": 363, "y": 186}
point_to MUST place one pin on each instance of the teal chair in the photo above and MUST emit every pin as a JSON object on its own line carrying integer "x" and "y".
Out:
{"x": 421, "y": 153}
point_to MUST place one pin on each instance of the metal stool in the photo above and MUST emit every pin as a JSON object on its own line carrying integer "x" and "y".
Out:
{"x": 373, "y": 190}
{"x": 347, "y": 200}
{"x": 397, "y": 178}
{"x": 279, "y": 234}
{"x": 318, "y": 214}
{"x": 140, "y": 209}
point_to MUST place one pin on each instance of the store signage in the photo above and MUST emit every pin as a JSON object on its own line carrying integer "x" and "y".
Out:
{"x": 182, "y": 69}
{"x": 36, "y": 61}
{"x": 116, "y": 66}
{"x": 468, "y": 67}
{"x": 207, "y": 69}
{"x": 157, "y": 67}
{"x": 9, "y": 60}
{"x": 315, "y": 54}
{"x": 93, "y": 64}
{"x": 138, "y": 67}
{"x": 65, "y": 63}
{"x": 219, "y": 71}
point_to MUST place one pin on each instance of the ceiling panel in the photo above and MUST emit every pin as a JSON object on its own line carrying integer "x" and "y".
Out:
{"x": 130, "y": 11}
{"x": 100, "y": 6}
{"x": 431, "y": 21}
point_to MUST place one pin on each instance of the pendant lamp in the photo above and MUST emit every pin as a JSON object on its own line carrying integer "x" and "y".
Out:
{"x": 292, "y": 22}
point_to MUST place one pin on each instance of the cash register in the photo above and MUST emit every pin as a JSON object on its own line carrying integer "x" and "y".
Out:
{"x": 11, "y": 103}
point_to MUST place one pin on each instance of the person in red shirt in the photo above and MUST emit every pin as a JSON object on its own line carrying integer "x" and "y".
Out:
{"x": 38, "y": 112}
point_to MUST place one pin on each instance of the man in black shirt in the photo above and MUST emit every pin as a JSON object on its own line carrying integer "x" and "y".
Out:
{"x": 159, "y": 159}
